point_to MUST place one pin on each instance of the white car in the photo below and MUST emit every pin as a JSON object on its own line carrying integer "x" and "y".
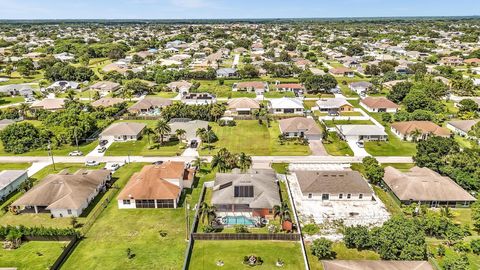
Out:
{"x": 360, "y": 144}
{"x": 112, "y": 167}
{"x": 75, "y": 153}
{"x": 102, "y": 149}
{"x": 90, "y": 163}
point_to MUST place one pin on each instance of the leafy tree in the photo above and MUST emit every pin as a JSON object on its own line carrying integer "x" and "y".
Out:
{"x": 463, "y": 87}
{"x": 248, "y": 71}
{"x": 399, "y": 91}
{"x": 432, "y": 151}
{"x": 322, "y": 249}
{"x": 475, "y": 246}
{"x": 19, "y": 138}
{"x": 468, "y": 105}
{"x": 355, "y": 50}
{"x": 455, "y": 262}
{"x": 320, "y": 83}
{"x": 357, "y": 237}
{"x": 373, "y": 171}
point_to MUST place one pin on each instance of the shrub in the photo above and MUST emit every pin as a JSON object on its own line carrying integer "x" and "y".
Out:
{"x": 311, "y": 229}
{"x": 208, "y": 229}
{"x": 475, "y": 246}
{"x": 441, "y": 250}
{"x": 322, "y": 249}
{"x": 240, "y": 228}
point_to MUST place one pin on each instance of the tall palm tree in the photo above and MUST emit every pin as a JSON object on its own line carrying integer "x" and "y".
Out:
{"x": 162, "y": 128}
{"x": 200, "y": 132}
{"x": 147, "y": 132}
{"x": 180, "y": 133}
{"x": 244, "y": 162}
{"x": 416, "y": 134}
{"x": 282, "y": 211}
{"x": 198, "y": 162}
{"x": 71, "y": 94}
{"x": 207, "y": 212}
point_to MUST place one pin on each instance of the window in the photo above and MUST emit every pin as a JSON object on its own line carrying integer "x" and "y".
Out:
{"x": 165, "y": 204}
{"x": 360, "y": 196}
{"x": 69, "y": 211}
{"x": 349, "y": 196}
{"x": 340, "y": 196}
{"x": 325, "y": 196}
{"x": 309, "y": 195}
{"x": 243, "y": 191}
{"x": 145, "y": 203}
{"x": 126, "y": 202}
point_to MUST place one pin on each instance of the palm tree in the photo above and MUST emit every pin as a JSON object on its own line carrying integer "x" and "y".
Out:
{"x": 200, "y": 132}
{"x": 147, "y": 132}
{"x": 23, "y": 108}
{"x": 162, "y": 128}
{"x": 198, "y": 162}
{"x": 244, "y": 162}
{"x": 282, "y": 211}
{"x": 180, "y": 133}
{"x": 71, "y": 94}
{"x": 208, "y": 212}
{"x": 415, "y": 134}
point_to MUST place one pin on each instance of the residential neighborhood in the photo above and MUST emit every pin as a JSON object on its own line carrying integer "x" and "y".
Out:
{"x": 205, "y": 142}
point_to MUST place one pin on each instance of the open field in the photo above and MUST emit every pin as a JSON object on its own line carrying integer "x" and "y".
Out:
{"x": 62, "y": 151}
{"x": 342, "y": 253}
{"x": 207, "y": 253}
{"x": 34, "y": 255}
{"x": 254, "y": 139}
{"x": 141, "y": 148}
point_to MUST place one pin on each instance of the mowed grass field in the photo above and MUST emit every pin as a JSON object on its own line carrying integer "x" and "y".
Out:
{"x": 35, "y": 255}
{"x": 206, "y": 254}
{"x": 116, "y": 230}
{"x": 250, "y": 137}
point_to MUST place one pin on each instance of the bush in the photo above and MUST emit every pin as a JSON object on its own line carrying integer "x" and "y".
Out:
{"x": 441, "y": 250}
{"x": 311, "y": 229}
{"x": 208, "y": 229}
{"x": 322, "y": 249}
{"x": 357, "y": 237}
{"x": 241, "y": 228}
{"x": 475, "y": 246}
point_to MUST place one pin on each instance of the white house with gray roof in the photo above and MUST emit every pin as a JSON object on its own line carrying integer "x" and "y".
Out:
{"x": 362, "y": 132}
{"x": 285, "y": 105}
{"x": 11, "y": 180}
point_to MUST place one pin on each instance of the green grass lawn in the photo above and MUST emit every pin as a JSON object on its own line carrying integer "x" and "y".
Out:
{"x": 392, "y": 206}
{"x": 62, "y": 151}
{"x": 14, "y": 166}
{"x": 222, "y": 91}
{"x": 404, "y": 167}
{"x": 342, "y": 253}
{"x": 141, "y": 148}
{"x": 207, "y": 253}
{"x": 275, "y": 94}
{"x": 11, "y": 100}
{"x": 166, "y": 94}
{"x": 253, "y": 139}
{"x": 42, "y": 219}
{"x": 472, "y": 258}
{"x": 333, "y": 123}
{"x": 32, "y": 255}
{"x": 393, "y": 147}
{"x": 335, "y": 146}
{"x": 116, "y": 230}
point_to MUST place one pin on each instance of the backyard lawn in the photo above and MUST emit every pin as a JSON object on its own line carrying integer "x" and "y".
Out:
{"x": 335, "y": 146}
{"x": 32, "y": 255}
{"x": 342, "y": 253}
{"x": 42, "y": 219}
{"x": 141, "y": 148}
{"x": 140, "y": 230}
{"x": 253, "y": 139}
{"x": 393, "y": 147}
{"x": 207, "y": 253}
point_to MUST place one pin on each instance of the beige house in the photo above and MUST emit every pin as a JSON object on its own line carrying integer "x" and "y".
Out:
{"x": 242, "y": 106}
{"x": 123, "y": 131}
{"x": 149, "y": 106}
{"x": 407, "y": 130}
{"x": 300, "y": 127}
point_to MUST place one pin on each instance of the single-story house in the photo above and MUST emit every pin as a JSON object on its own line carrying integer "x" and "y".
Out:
{"x": 182, "y": 86}
{"x": 11, "y": 180}
{"x": 64, "y": 85}
{"x": 257, "y": 87}
{"x": 285, "y": 105}
{"x": 406, "y": 130}
{"x": 5, "y": 122}
{"x": 379, "y": 104}
{"x": 23, "y": 89}
{"x": 290, "y": 87}
{"x": 149, "y": 106}
{"x": 376, "y": 265}
{"x": 333, "y": 185}
{"x": 460, "y": 127}
{"x": 242, "y": 106}
{"x": 360, "y": 87}
{"x": 424, "y": 186}
{"x": 190, "y": 127}
{"x": 255, "y": 192}
{"x": 64, "y": 194}
{"x": 451, "y": 61}
{"x": 472, "y": 61}
{"x": 107, "y": 102}
{"x": 300, "y": 127}
{"x": 199, "y": 99}
{"x": 123, "y": 131}
{"x": 105, "y": 87}
{"x": 156, "y": 186}
{"x": 362, "y": 133}
{"x": 342, "y": 71}
{"x": 334, "y": 105}
{"x": 226, "y": 72}
{"x": 50, "y": 104}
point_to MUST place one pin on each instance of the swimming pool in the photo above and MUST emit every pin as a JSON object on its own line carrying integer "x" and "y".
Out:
{"x": 238, "y": 220}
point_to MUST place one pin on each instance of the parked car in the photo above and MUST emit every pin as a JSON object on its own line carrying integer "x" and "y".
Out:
{"x": 112, "y": 167}
{"x": 103, "y": 142}
{"x": 158, "y": 162}
{"x": 102, "y": 149}
{"x": 90, "y": 163}
{"x": 360, "y": 144}
{"x": 194, "y": 144}
{"x": 75, "y": 153}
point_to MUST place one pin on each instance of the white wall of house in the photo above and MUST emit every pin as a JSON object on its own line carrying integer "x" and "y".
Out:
{"x": 121, "y": 138}
{"x": 4, "y": 192}
{"x": 338, "y": 197}
{"x": 286, "y": 111}
{"x": 365, "y": 138}
{"x": 457, "y": 131}
{"x": 57, "y": 213}
{"x": 126, "y": 204}
{"x": 407, "y": 137}
{"x": 389, "y": 110}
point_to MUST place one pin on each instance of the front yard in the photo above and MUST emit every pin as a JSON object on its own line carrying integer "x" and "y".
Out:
{"x": 250, "y": 137}
{"x": 62, "y": 151}
{"x": 335, "y": 146}
{"x": 142, "y": 148}
{"x": 393, "y": 147}
{"x": 34, "y": 255}
{"x": 206, "y": 254}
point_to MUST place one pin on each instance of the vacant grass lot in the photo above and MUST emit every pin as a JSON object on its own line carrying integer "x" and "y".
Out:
{"x": 105, "y": 245}
{"x": 393, "y": 147}
{"x": 141, "y": 148}
{"x": 335, "y": 146}
{"x": 14, "y": 166}
{"x": 342, "y": 253}
{"x": 32, "y": 255}
{"x": 62, "y": 151}
{"x": 253, "y": 139}
{"x": 42, "y": 219}
{"x": 207, "y": 253}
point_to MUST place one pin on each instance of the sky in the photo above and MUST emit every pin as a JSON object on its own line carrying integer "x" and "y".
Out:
{"x": 225, "y": 9}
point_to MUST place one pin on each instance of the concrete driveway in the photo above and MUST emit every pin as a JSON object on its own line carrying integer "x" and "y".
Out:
{"x": 95, "y": 153}
{"x": 317, "y": 148}
{"x": 357, "y": 151}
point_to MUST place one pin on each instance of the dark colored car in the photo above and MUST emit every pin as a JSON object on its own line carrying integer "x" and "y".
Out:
{"x": 103, "y": 142}
{"x": 194, "y": 144}
{"x": 158, "y": 162}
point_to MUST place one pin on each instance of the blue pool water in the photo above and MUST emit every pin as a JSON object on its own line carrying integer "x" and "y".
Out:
{"x": 239, "y": 220}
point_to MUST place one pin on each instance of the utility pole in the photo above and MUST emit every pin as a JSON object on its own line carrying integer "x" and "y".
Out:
{"x": 51, "y": 154}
